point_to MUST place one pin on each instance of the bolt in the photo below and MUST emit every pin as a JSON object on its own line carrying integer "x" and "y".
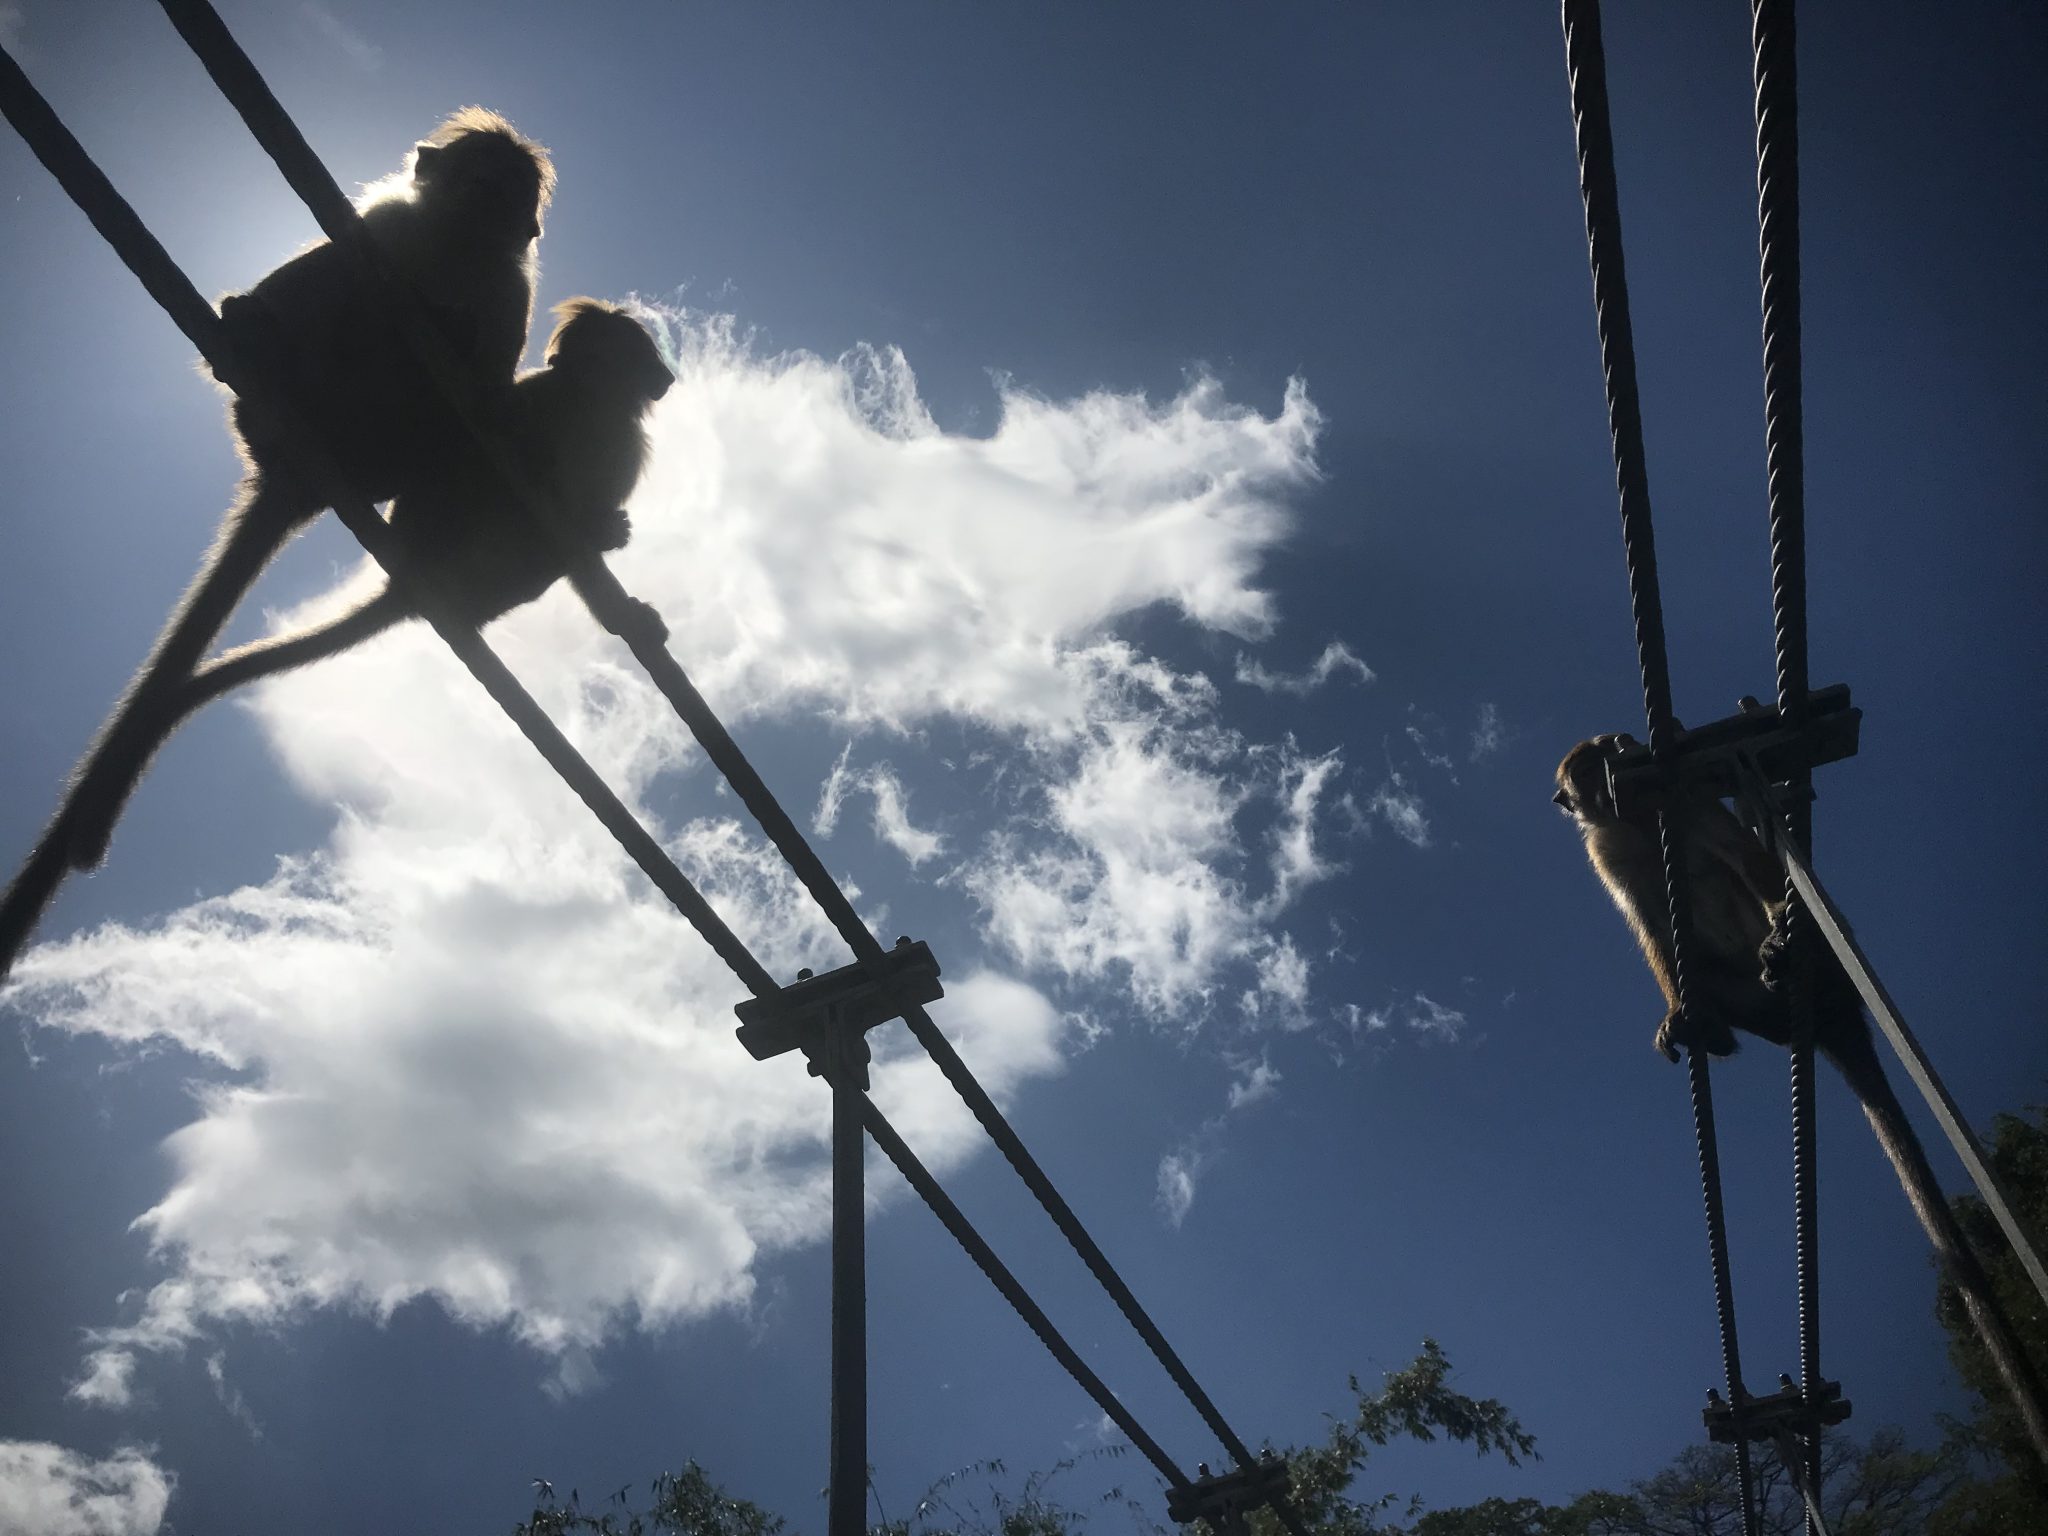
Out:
{"x": 804, "y": 974}
{"x": 902, "y": 939}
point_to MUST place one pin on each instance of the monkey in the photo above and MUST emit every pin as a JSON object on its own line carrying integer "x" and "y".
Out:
{"x": 1734, "y": 965}
{"x": 575, "y": 426}
{"x": 455, "y": 227}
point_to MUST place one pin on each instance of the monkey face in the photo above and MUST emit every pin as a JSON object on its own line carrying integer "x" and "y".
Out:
{"x": 1582, "y": 790}
{"x": 488, "y": 180}
{"x": 605, "y": 345}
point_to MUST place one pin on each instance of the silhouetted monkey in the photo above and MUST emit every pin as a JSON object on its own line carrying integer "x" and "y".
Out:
{"x": 574, "y": 428}
{"x": 1737, "y": 893}
{"x": 456, "y": 227}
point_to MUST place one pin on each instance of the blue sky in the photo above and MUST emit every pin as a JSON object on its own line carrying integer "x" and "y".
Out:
{"x": 1139, "y": 488}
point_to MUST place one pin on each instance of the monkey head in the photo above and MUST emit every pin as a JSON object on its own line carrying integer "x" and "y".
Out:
{"x": 486, "y": 178}
{"x": 1582, "y": 789}
{"x": 603, "y": 348}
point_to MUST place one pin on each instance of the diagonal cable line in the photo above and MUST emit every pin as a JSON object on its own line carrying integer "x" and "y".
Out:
{"x": 1586, "y": 66}
{"x": 239, "y": 81}
{"x": 67, "y": 161}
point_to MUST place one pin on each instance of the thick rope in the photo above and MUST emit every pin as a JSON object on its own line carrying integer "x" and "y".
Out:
{"x": 927, "y": 1187}
{"x": 239, "y": 81}
{"x": 1586, "y": 65}
{"x": 1776, "y": 81}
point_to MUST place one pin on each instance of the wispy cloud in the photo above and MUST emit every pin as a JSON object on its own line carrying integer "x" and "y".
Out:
{"x": 230, "y": 1395}
{"x": 466, "y": 1055}
{"x": 892, "y": 808}
{"x": 1489, "y": 735}
{"x": 1336, "y": 657}
{"x": 339, "y": 35}
{"x": 1398, "y": 804}
{"x": 1420, "y": 1017}
{"x": 1254, "y": 1081}
{"x": 51, "y": 1491}
{"x": 1179, "y": 1171}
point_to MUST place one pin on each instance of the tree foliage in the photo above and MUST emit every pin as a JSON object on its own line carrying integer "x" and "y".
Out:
{"x": 2018, "y": 1153}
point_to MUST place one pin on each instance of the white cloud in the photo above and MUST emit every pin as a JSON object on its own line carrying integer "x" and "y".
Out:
{"x": 365, "y": 54}
{"x": 1257, "y": 1081}
{"x": 469, "y": 1056}
{"x": 1422, "y": 1017}
{"x": 892, "y": 808}
{"x": 230, "y": 1395}
{"x": 1296, "y": 864}
{"x": 46, "y": 1490}
{"x": 1178, "y": 1172}
{"x": 1401, "y": 808}
{"x": 1434, "y": 756}
{"x": 107, "y": 1381}
{"x": 1336, "y": 657}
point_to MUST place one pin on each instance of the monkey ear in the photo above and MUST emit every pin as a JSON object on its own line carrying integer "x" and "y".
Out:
{"x": 423, "y": 157}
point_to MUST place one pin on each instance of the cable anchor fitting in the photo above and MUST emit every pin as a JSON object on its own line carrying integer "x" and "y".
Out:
{"x": 1710, "y": 757}
{"x": 1224, "y": 1499}
{"x": 827, "y": 1017}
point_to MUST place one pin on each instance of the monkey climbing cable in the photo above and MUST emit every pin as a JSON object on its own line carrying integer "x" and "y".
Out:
{"x": 110, "y": 214}
{"x": 1775, "y": 78}
{"x": 1586, "y": 66}
{"x": 239, "y": 81}
{"x": 59, "y": 151}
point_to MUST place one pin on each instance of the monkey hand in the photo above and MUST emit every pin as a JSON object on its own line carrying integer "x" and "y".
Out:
{"x": 611, "y": 529}
{"x": 1776, "y": 945}
{"x": 639, "y": 623}
{"x": 1688, "y": 1031}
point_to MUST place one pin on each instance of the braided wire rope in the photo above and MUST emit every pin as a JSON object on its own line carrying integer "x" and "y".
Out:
{"x": 1776, "y": 81}
{"x": 28, "y": 112}
{"x": 920, "y": 1179}
{"x": 239, "y": 81}
{"x": 1586, "y": 65}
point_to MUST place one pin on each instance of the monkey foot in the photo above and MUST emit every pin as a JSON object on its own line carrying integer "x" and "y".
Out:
{"x": 1693, "y": 1034}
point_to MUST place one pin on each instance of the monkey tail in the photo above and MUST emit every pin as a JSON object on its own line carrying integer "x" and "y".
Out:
{"x": 283, "y": 653}
{"x": 28, "y": 895}
{"x": 1855, "y": 1056}
{"x": 156, "y": 709}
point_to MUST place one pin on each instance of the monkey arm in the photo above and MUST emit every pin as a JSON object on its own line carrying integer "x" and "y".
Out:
{"x": 634, "y": 621}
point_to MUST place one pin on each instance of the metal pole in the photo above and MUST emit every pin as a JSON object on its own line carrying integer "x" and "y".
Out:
{"x": 848, "y": 1507}
{"x": 1828, "y": 917}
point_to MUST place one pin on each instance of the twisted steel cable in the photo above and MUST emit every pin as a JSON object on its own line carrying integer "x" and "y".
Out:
{"x": 1585, "y": 62}
{"x": 1776, "y": 81}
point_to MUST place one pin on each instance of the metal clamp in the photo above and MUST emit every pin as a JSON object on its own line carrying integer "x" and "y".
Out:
{"x": 1225, "y": 1498}
{"x": 827, "y": 1017}
{"x": 1707, "y": 757}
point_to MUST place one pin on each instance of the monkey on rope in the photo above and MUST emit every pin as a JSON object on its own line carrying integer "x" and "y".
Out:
{"x": 1732, "y": 981}
{"x": 456, "y": 227}
{"x": 574, "y": 428}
